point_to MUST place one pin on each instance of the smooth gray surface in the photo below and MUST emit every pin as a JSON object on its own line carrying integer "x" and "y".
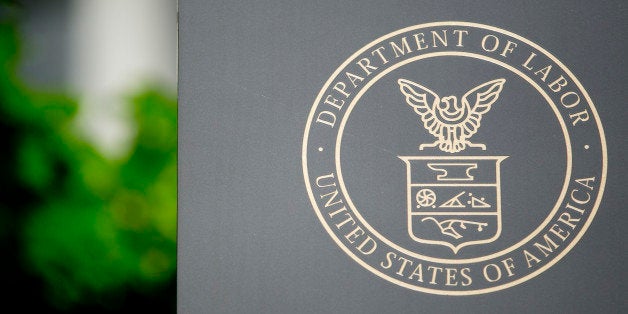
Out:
{"x": 249, "y": 240}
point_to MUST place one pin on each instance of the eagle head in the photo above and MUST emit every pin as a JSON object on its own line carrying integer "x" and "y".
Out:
{"x": 450, "y": 110}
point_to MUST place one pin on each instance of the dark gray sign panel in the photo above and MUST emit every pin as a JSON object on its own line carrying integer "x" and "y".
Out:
{"x": 413, "y": 157}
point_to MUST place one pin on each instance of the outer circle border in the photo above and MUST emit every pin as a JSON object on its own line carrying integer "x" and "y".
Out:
{"x": 527, "y": 277}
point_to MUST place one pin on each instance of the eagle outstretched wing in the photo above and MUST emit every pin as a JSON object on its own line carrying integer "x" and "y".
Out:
{"x": 482, "y": 97}
{"x": 424, "y": 102}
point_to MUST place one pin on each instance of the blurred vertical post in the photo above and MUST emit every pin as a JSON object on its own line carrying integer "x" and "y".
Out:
{"x": 114, "y": 46}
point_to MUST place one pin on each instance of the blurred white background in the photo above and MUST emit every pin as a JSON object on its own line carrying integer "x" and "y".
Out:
{"x": 101, "y": 51}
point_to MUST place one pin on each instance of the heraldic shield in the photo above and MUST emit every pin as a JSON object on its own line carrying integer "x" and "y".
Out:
{"x": 454, "y": 201}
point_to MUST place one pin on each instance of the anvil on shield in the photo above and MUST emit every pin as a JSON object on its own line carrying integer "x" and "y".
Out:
{"x": 454, "y": 201}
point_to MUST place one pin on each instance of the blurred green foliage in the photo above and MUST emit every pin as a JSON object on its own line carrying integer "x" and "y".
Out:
{"x": 82, "y": 231}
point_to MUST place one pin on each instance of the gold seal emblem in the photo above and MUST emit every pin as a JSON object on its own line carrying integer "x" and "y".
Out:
{"x": 454, "y": 158}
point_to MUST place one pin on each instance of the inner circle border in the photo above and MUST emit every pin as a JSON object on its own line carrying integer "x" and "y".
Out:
{"x": 534, "y": 233}
{"x": 533, "y": 274}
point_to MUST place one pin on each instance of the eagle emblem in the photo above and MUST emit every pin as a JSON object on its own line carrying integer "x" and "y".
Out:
{"x": 452, "y": 122}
